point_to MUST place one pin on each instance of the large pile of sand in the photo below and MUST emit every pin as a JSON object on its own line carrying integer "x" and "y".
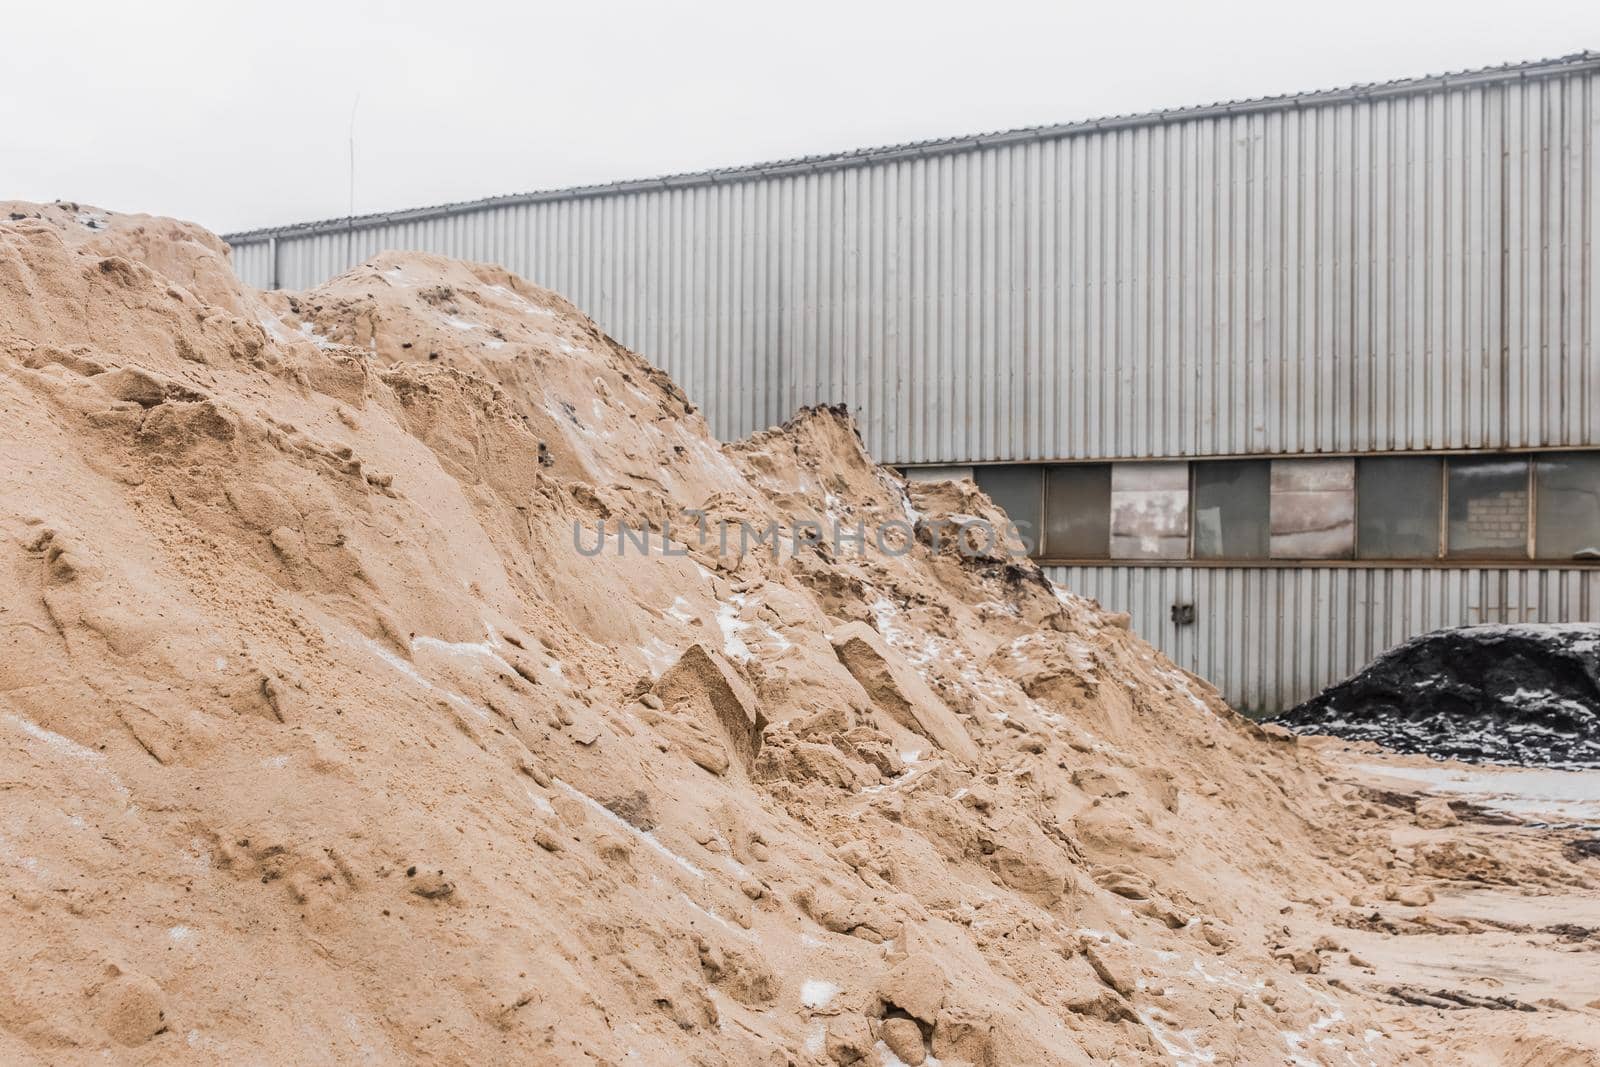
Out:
{"x": 325, "y": 742}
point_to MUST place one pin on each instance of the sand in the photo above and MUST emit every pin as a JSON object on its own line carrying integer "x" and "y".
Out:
{"x": 326, "y": 742}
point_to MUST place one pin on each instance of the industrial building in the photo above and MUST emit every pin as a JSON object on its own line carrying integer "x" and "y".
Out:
{"x": 1289, "y": 379}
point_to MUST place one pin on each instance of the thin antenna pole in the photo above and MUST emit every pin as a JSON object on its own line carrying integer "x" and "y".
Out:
{"x": 350, "y": 219}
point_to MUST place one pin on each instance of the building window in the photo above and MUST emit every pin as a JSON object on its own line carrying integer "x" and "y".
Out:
{"x": 1488, "y": 508}
{"x": 1398, "y": 499}
{"x": 1567, "y": 510}
{"x": 1231, "y": 506}
{"x": 1461, "y": 508}
{"x": 1150, "y": 511}
{"x": 1313, "y": 508}
{"x": 1020, "y": 491}
{"x": 1077, "y": 511}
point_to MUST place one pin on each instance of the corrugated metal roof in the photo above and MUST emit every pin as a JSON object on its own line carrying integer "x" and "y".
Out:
{"x": 1542, "y": 68}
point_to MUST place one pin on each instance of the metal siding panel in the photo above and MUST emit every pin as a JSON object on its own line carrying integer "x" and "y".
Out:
{"x": 1270, "y": 638}
{"x": 1410, "y": 271}
{"x": 252, "y": 262}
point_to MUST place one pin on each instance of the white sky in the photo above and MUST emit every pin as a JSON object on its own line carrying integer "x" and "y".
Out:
{"x": 237, "y": 115}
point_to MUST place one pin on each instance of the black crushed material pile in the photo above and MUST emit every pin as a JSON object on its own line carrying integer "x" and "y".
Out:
{"x": 1526, "y": 694}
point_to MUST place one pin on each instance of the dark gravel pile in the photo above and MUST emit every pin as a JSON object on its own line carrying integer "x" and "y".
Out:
{"x": 1526, "y": 694}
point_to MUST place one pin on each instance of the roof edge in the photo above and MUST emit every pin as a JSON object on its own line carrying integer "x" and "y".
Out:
{"x": 1577, "y": 62}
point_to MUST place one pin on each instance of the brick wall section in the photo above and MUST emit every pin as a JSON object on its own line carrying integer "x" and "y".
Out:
{"x": 1498, "y": 521}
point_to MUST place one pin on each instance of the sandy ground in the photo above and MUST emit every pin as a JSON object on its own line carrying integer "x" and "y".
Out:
{"x": 1506, "y": 921}
{"x": 326, "y": 741}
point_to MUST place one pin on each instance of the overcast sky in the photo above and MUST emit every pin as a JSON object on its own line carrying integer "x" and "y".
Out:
{"x": 238, "y": 115}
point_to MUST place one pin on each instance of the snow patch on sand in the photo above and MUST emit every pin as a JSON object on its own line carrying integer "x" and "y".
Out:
{"x": 815, "y": 993}
{"x": 1533, "y": 793}
{"x": 618, "y": 821}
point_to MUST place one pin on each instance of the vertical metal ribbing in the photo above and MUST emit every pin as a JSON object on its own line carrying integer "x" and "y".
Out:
{"x": 1405, "y": 272}
{"x": 1271, "y": 638}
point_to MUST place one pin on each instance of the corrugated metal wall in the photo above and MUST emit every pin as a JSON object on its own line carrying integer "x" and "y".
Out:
{"x": 1270, "y": 637}
{"x": 1403, "y": 267}
{"x": 1406, "y": 271}
{"x": 252, "y": 261}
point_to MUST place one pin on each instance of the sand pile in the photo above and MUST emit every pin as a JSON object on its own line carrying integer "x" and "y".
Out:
{"x": 327, "y": 741}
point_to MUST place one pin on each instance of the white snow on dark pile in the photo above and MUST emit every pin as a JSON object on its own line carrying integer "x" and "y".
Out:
{"x": 1524, "y": 694}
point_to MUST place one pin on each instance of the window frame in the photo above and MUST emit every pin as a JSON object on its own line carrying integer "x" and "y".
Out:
{"x": 1274, "y": 494}
{"x": 1441, "y": 511}
{"x": 1037, "y": 529}
{"x": 1194, "y": 497}
{"x": 1530, "y": 505}
{"x": 1441, "y": 560}
{"x": 1044, "y": 506}
{"x": 1534, "y": 459}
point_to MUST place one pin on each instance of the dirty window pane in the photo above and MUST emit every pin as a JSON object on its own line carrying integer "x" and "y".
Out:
{"x": 1150, "y": 511}
{"x": 1567, "y": 522}
{"x": 1230, "y": 509}
{"x": 1488, "y": 508}
{"x": 1077, "y": 521}
{"x": 1313, "y": 508}
{"x": 1398, "y": 499}
{"x": 1020, "y": 491}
